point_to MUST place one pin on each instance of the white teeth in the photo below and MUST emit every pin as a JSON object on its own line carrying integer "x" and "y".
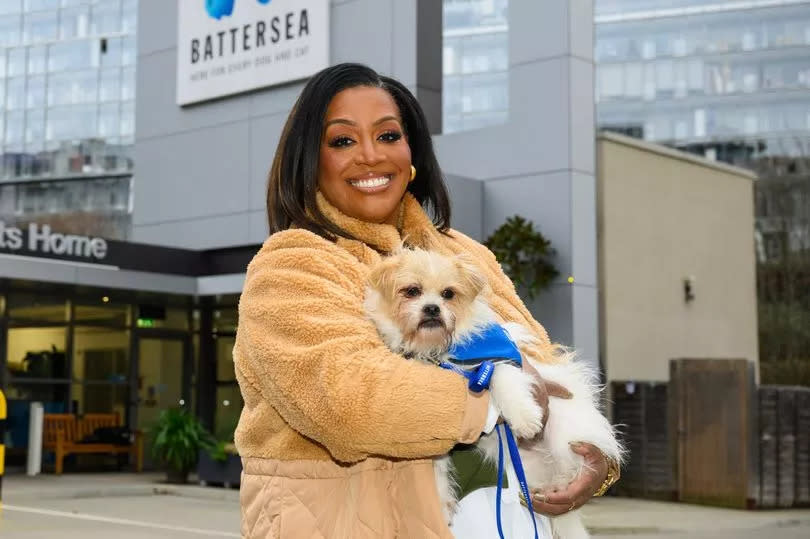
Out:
{"x": 372, "y": 182}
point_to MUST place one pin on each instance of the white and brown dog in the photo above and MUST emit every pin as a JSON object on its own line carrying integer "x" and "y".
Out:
{"x": 422, "y": 303}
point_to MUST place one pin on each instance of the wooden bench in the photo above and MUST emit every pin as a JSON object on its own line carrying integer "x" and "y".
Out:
{"x": 62, "y": 433}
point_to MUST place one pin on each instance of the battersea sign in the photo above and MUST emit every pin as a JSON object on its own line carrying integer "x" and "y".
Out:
{"x": 229, "y": 46}
{"x": 41, "y": 240}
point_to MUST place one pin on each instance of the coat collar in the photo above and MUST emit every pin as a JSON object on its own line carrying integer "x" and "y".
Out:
{"x": 415, "y": 228}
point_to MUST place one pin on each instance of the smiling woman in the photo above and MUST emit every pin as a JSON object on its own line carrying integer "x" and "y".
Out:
{"x": 338, "y": 432}
{"x": 361, "y": 141}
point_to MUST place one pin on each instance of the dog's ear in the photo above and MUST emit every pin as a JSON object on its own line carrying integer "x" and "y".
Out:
{"x": 382, "y": 276}
{"x": 473, "y": 280}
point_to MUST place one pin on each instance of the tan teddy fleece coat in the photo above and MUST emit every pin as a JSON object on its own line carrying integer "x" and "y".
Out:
{"x": 319, "y": 385}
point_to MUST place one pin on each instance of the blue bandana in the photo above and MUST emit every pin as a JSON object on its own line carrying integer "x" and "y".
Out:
{"x": 493, "y": 343}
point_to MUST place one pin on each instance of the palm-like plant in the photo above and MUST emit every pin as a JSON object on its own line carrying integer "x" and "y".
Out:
{"x": 178, "y": 438}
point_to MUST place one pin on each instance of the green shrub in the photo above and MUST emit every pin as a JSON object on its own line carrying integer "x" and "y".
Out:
{"x": 524, "y": 253}
{"x": 178, "y": 438}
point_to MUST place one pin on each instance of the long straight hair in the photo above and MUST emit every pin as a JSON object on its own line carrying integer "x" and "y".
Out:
{"x": 293, "y": 181}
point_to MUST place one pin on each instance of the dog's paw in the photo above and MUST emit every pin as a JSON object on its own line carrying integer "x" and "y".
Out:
{"x": 526, "y": 421}
{"x": 513, "y": 392}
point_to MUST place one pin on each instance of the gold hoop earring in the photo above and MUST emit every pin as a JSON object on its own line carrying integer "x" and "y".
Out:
{"x": 413, "y": 172}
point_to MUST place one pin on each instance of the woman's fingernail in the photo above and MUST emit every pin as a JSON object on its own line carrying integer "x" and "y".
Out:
{"x": 539, "y": 497}
{"x": 575, "y": 445}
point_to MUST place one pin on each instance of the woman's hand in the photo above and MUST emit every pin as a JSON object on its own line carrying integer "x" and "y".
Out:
{"x": 578, "y": 491}
{"x": 593, "y": 474}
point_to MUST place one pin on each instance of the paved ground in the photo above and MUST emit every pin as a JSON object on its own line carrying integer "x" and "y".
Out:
{"x": 123, "y": 506}
{"x": 127, "y": 506}
{"x": 613, "y": 517}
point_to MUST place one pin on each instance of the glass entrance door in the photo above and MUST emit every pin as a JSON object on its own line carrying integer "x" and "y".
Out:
{"x": 161, "y": 381}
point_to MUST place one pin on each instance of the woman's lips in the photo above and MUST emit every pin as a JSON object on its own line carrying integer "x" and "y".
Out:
{"x": 371, "y": 184}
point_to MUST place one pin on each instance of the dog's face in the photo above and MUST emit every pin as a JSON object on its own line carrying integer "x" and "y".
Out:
{"x": 419, "y": 299}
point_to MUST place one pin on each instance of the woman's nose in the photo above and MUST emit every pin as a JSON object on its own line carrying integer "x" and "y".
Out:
{"x": 368, "y": 153}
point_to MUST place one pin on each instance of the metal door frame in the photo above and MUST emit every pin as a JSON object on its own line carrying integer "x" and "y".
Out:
{"x": 187, "y": 365}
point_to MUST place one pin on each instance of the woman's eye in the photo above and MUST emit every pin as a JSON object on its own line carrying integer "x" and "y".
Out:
{"x": 448, "y": 293}
{"x": 340, "y": 142}
{"x": 390, "y": 136}
{"x": 412, "y": 292}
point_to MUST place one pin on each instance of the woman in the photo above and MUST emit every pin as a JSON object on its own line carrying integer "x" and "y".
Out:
{"x": 337, "y": 431}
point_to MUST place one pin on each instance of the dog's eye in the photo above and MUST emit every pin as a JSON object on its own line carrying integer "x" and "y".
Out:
{"x": 412, "y": 292}
{"x": 448, "y": 293}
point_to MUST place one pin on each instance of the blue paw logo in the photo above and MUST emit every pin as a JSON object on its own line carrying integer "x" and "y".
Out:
{"x": 223, "y": 8}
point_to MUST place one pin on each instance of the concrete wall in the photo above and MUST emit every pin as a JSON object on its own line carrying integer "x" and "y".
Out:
{"x": 201, "y": 170}
{"x": 664, "y": 216}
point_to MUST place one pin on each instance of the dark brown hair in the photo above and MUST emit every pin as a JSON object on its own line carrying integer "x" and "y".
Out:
{"x": 293, "y": 180}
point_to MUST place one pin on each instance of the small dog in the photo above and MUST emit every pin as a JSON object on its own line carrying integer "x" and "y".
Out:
{"x": 422, "y": 303}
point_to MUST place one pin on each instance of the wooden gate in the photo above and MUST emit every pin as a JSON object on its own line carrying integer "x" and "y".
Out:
{"x": 712, "y": 417}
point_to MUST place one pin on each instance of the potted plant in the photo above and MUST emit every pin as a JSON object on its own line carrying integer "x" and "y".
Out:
{"x": 178, "y": 438}
{"x": 524, "y": 253}
{"x": 220, "y": 464}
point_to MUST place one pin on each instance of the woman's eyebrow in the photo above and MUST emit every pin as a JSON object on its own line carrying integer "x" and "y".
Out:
{"x": 340, "y": 121}
{"x": 344, "y": 121}
{"x": 385, "y": 119}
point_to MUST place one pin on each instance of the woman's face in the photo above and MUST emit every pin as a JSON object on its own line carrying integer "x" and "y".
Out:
{"x": 365, "y": 160}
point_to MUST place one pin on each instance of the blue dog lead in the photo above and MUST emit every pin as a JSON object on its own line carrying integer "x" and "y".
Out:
{"x": 482, "y": 351}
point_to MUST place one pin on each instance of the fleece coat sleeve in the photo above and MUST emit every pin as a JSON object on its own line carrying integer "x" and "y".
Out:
{"x": 307, "y": 348}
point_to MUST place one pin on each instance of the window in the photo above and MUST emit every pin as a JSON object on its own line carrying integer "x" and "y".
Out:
{"x": 73, "y": 55}
{"x": 71, "y": 122}
{"x": 72, "y": 88}
{"x": 74, "y": 22}
{"x": 40, "y": 5}
{"x": 129, "y": 16}
{"x": 476, "y": 60}
{"x": 40, "y": 26}
{"x": 105, "y": 18}
{"x": 36, "y": 60}
{"x": 109, "y": 120}
{"x": 35, "y": 128}
{"x": 15, "y": 93}
{"x": 16, "y": 62}
{"x": 128, "y": 84}
{"x": 127, "y": 118}
{"x": 110, "y": 85}
{"x": 35, "y": 95}
{"x": 10, "y": 30}
{"x": 112, "y": 55}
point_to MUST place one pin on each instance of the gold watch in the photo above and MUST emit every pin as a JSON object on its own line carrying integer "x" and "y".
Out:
{"x": 613, "y": 475}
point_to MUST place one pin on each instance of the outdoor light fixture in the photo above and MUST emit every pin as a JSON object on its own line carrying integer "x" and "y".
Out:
{"x": 689, "y": 288}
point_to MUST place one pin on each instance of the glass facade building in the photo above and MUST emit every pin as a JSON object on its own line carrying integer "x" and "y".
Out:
{"x": 67, "y": 112}
{"x": 475, "y": 64}
{"x": 728, "y": 79}
{"x": 725, "y": 79}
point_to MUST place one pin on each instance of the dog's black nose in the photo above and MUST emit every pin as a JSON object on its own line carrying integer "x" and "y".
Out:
{"x": 431, "y": 310}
